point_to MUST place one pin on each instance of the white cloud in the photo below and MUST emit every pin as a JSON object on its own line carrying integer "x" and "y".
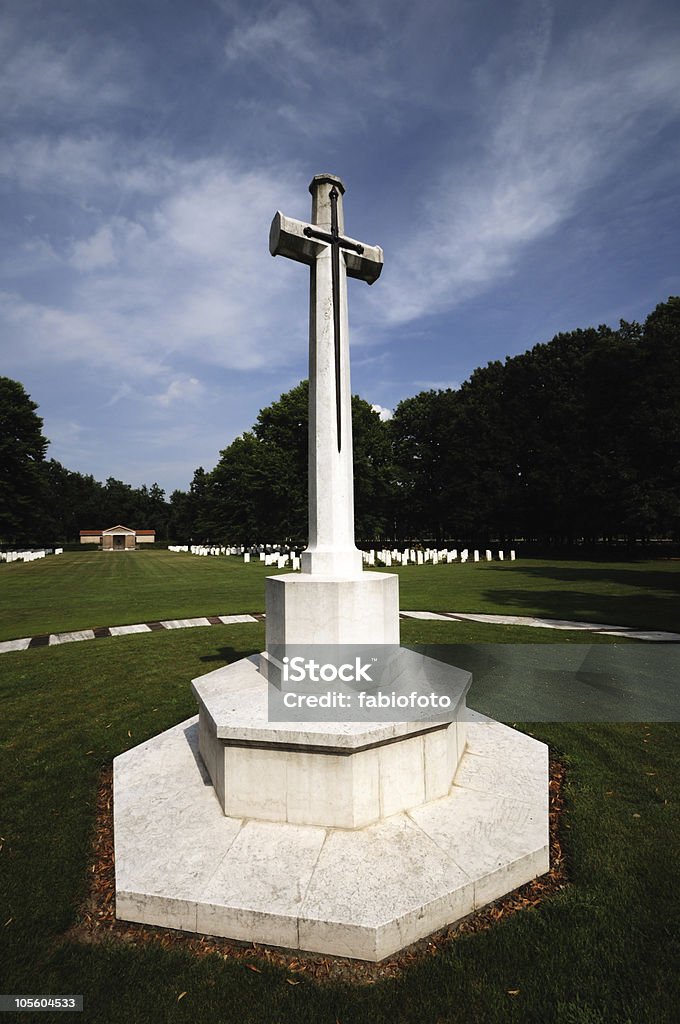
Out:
{"x": 122, "y": 391}
{"x": 332, "y": 68}
{"x": 288, "y": 32}
{"x": 44, "y": 76}
{"x": 138, "y": 257}
{"x": 95, "y": 252}
{"x": 63, "y": 165}
{"x": 51, "y": 335}
{"x": 189, "y": 277}
{"x": 383, "y": 413}
{"x": 180, "y": 389}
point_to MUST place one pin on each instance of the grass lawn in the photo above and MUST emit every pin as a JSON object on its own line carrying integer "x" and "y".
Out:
{"x": 81, "y": 590}
{"x": 602, "y": 951}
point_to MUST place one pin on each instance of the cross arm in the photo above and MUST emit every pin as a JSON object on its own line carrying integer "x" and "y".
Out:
{"x": 367, "y": 266}
{"x": 287, "y": 238}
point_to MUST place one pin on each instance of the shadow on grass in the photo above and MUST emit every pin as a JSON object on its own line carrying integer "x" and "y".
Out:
{"x": 652, "y": 602}
{"x": 619, "y": 576}
{"x": 230, "y": 654}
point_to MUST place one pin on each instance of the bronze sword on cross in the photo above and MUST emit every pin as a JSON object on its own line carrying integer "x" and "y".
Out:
{"x": 336, "y": 242}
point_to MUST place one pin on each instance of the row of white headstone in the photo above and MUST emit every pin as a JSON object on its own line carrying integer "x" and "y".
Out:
{"x": 29, "y": 556}
{"x": 206, "y": 550}
{"x": 385, "y": 557}
{"x": 428, "y": 556}
{"x": 280, "y": 559}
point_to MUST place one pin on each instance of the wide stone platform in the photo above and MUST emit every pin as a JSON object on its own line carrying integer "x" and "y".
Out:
{"x": 362, "y": 892}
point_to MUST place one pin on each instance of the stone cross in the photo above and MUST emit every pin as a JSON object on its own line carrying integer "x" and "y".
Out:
{"x": 331, "y": 257}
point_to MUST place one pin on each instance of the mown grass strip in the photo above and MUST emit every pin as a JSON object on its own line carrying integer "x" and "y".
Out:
{"x": 87, "y": 590}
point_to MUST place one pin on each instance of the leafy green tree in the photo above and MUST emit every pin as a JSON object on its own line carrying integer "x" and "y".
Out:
{"x": 181, "y": 520}
{"x": 653, "y": 409}
{"x": 258, "y": 490}
{"x": 576, "y": 438}
{"x": 249, "y": 496}
{"x": 373, "y": 473}
{"x": 421, "y": 433}
{"x": 23, "y": 494}
{"x": 120, "y": 504}
{"x": 75, "y": 502}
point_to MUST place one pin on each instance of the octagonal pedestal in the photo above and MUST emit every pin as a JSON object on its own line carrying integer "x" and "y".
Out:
{"x": 358, "y": 889}
{"x": 341, "y": 775}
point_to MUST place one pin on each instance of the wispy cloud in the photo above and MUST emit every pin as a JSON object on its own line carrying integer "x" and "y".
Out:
{"x": 43, "y": 74}
{"x": 555, "y": 128}
{"x": 334, "y": 68}
{"x": 139, "y": 172}
{"x": 180, "y": 389}
{"x": 189, "y": 275}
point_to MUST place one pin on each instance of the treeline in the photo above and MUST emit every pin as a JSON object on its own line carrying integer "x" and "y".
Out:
{"x": 576, "y": 439}
{"x": 42, "y": 502}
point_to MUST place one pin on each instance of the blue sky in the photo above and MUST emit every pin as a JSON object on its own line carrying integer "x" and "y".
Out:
{"x": 517, "y": 162}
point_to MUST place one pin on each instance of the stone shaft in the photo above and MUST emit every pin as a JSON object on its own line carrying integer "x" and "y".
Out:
{"x": 331, "y": 551}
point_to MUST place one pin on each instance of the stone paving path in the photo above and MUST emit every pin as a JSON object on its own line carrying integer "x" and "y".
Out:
{"x": 53, "y": 639}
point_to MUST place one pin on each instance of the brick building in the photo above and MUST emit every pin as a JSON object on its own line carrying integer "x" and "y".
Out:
{"x": 117, "y": 538}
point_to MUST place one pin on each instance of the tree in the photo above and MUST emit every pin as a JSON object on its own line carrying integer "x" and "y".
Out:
{"x": 421, "y": 431}
{"x": 251, "y": 496}
{"x": 576, "y": 438}
{"x": 23, "y": 496}
{"x": 653, "y": 410}
{"x": 258, "y": 490}
{"x": 75, "y": 502}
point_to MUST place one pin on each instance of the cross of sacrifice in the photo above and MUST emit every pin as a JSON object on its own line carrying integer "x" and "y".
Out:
{"x": 332, "y": 257}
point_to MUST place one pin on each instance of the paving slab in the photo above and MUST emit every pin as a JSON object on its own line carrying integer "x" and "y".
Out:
{"x": 15, "y": 645}
{"x": 69, "y": 638}
{"x": 184, "y": 623}
{"x": 426, "y": 615}
{"x": 140, "y": 627}
{"x": 500, "y": 620}
{"x": 593, "y": 627}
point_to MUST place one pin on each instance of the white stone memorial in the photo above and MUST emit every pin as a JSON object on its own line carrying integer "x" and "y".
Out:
{"x": 349, "y": 838}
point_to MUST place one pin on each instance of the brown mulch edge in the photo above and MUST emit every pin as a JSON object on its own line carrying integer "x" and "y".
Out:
{"x": 97, "y": 921}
